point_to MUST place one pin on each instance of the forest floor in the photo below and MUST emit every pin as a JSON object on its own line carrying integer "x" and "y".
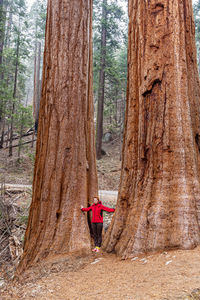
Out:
{"x": 164, "y": 276}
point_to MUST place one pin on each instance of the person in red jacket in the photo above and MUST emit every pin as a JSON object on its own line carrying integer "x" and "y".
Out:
{"x": 97, "y": 221}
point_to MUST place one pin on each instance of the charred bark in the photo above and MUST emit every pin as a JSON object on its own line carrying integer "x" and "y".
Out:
{"x": 65, "y": 170}
{"x": 158, "y": 205}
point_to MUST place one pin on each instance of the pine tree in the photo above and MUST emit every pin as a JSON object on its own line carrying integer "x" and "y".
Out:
{"x": 107, "y": 38}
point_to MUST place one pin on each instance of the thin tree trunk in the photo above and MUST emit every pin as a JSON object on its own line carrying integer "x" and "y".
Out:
{"x": 38, "y": 82}
{"x": 38, "y": 79}
{"x": 100, "y": 109}
{"x": 11, "y": 129}
{"x": 3, "y": 9}
{"x": 8, "y": 29}
{"x": 121, "y": 129}
{"x": 21, "y": 135}
{"x": 14, "y": 97}
{"x": 2, "y": 29}
{"x": 33, "y": 138}
{"x": 116, "y": 107}
{"x": 8, "y": 133}
{"x": 2, "y": 133}
{"x": 35, "y": 81}
{"x": 158, "y": 205}
{"x": 35, "y": 93}
{"x": 65, "y": 170}
{"x": 5, "y": 44}
{"x": 122, "y": 117}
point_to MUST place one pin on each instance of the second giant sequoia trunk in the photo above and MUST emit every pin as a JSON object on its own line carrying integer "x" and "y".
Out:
{"x": 65, "y": 171}
{"x": 159, "y": 197}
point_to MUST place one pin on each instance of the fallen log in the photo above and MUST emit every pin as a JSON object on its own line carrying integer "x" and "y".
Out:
{"x": 21, "y": 144}
{"x": 17, "y": 188}
{"x": 18, "y": 136}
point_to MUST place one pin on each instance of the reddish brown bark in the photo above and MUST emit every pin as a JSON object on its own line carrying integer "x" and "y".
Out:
{"x": 159, "y": 197}
{"x": 65, "y": 171}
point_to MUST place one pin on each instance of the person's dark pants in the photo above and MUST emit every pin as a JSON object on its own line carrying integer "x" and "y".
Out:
{"x": 97, "y": 233}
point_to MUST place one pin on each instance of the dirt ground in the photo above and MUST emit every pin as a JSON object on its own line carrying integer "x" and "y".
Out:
{"x": 14, "y": 170}
{"x": 109, "y": 167}
{"x": 164, "y": 276}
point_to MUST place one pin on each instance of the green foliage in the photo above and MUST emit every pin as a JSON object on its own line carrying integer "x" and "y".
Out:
{"x": 22, "y": 29}
{"x": 23, "y": 116}
{"x": 13, "y": 67}
{"x": 19, "y": 30}
{"x": 37, "y": 19}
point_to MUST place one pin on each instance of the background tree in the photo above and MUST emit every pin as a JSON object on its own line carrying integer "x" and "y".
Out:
{"x": 37, "y": 21}
{"x": 108, "y": 36}
{"x": 158, "y": 204}
{"x": 65, "y": 170}
{"x": 21, "y": 31}
{"x": 3, "y": 11}
{"x": 13, "y": 66}
{"x": 23, "y": 121}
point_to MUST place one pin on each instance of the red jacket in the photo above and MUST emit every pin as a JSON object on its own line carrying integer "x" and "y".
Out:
{"x": 97, "y": 212}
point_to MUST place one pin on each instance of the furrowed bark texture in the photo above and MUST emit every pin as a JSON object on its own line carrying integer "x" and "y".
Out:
{"x": 159, "y": 196}
{"x": 65, "y": 171}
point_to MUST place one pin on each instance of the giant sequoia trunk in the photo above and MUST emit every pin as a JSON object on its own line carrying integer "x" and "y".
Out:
{"x": 159, "y": 197}
{"x": 65, "y": 170}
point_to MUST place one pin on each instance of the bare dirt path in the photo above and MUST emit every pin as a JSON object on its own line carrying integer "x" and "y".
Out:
{"x": 172, "y": 275}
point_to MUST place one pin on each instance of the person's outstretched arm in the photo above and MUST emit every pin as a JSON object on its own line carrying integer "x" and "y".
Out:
{"x": 108, "y": 209}
{"x": 86, "y": 208}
